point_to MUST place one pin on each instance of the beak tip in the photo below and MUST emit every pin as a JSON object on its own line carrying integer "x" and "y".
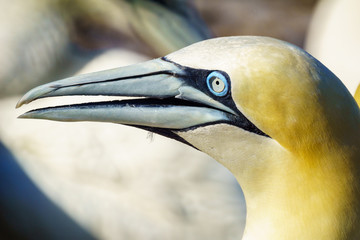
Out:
{"x": 20, "y": 103}
{"x": 22, "y": 116}
{"x": 29, "y": 115}
{"x": 25, "y": 99}
{"x": 35, "y": 93}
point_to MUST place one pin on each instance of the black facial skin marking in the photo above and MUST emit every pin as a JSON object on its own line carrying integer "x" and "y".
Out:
{"x": 197, "y": 79}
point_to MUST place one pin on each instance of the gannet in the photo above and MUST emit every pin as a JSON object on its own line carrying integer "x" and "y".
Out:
{"x": 279, "y": 120}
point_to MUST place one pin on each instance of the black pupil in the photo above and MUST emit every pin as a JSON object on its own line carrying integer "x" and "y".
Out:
{"x": 217, "y": 82}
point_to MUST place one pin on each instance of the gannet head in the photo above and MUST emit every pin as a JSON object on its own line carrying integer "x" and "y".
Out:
{"x": 268, "y": 111}
{"x": 281, "y": 89}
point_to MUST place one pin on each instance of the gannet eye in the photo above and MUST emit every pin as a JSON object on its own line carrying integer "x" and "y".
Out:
{"x": 217, "y": 83}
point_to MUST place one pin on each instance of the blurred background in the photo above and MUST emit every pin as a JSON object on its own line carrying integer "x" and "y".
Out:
{"x": 107, "y": 181}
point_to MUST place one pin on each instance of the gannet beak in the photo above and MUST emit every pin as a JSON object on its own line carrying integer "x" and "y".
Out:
{"x": 173, "y": 97}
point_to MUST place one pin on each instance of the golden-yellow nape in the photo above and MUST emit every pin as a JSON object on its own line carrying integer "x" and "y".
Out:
{"x": 278, "y": 119}
{"x": 357, "y": 95}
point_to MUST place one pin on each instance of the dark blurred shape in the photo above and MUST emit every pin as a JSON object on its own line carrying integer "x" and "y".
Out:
{"x": 25, "y": 212}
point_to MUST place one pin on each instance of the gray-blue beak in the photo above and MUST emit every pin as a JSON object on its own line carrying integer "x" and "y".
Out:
{"x": 172, "y": 97}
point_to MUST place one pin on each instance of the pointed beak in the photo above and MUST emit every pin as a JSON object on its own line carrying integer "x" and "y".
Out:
{"x": 170, "y": 98}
